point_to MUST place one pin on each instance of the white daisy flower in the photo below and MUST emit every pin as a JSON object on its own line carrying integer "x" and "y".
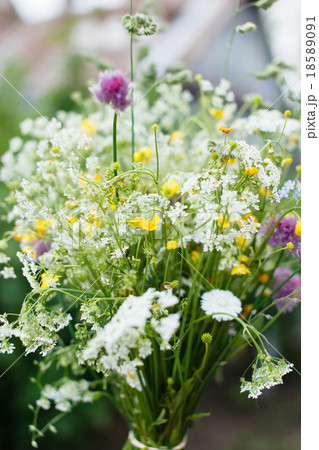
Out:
{"x": 219, "y": 301}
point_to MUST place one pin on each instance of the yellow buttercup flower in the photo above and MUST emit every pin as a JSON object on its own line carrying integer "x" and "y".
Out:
{"x": 241, "y": 241}
{"x": 247, "y": 216}
{"x": 135, "y": 222}
{"x": 228, "y": 160}
{"x": 145, "y": 224}
{"x": 89, "y": 127}
{"x": 251, "y": 171}
{"x": 286, "y": 162}
{"x": 150, "y": 225}
{"x": 97, "y": 177}
{"x": 218, "y": 113}
{"x": 170, "y": 188}
{"x": 144, "y": 154}
{"x": 226, "y": 130}
{"x": 298, "y": 228}
{"x": 243, "y": 259}
{"x": 240, "y": 270}
{"x": 264, "y": 192}
{"x": 46, "y": 279}
{"x": 263, "y": 278}
{"x": 42, "y": 226}
{"x": 172, "y": 245}
{"x": 176, "y": 135}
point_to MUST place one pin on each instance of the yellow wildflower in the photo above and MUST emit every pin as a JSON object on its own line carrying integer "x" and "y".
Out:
{"x": 195, "y": 255}
{"x": 144, "y": 154}
{"x": 42, "y": 226}
{"x": 89, "y": 127}
{"x": 264, "y": 278}
{"x": 240, "y": 270}
{"x": 145, "y": 224}
{"x": 298, "y": 228}
{"x": 150, "y": 225}
{"x": 172, "y": 245}
{"x": 135, "y": 222}
{"x": 251, "y": 171}
{"x": 243, "y": 259}
{"x": 97, "y": 177}
{"x": 264, "y": 192}
{"x": 72, "y": 220}
{"x": 246, "y": 310}
{"x": 83, "y": 182}
{"x": 46, "y": 279}
{"x": 30, "y": 250}
{"x": 218, "y": 113}
{"x": 223, "y": 221}
{"x": 228, "y": 160}
{"x": 176, "y": 135}
{"x": 247, "y": 216}
{"x": 170, "y": 188}
{"x": 20, "y": 237}
{"x": 226, "y": 130}
{"x": 241, "y": 241}
{"x": 286, "y": 162}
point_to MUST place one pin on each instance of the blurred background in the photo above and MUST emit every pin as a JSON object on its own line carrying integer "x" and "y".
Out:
{"x": 46, "y": 53}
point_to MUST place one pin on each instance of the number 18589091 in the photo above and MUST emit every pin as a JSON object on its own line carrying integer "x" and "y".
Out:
{"x": 310, "y": 47}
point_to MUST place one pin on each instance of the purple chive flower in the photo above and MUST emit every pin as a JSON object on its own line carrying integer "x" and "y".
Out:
{"x": 112, "y": 88}
{"x": 287, "y": 290}
{"x": 284, "y": 232}
{"x": 41, "y": 246}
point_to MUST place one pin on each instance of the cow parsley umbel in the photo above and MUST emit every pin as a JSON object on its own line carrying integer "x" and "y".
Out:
{"x": 153, "y": 256}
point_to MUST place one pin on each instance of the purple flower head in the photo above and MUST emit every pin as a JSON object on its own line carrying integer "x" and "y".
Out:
{"x": 112, "y": 88}
{"x": 41, "y": 246}
{"x": 284, "y": 232}
{"x": 287, "y": 290}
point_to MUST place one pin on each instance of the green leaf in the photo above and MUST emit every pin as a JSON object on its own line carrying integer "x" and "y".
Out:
{"x": 161, "y": 418}
{"x": 198, "y": 416}
{"x": 272, "y": 70}
{"x": 265, "y": 4}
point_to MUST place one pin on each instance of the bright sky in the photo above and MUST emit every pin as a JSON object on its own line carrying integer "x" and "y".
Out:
{"x": 34, "y": 11}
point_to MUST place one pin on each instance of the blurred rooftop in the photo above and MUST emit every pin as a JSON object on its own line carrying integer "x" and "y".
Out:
{"x": 42, "y": 36}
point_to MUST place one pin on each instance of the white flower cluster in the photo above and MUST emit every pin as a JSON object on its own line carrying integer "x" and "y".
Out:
{"x": 269, "y": 374}
{"x": 66, "y": 396}
{"x": 125, "y": 335}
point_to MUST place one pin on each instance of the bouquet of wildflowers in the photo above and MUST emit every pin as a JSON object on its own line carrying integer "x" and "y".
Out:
{"x": 158, "y": 243}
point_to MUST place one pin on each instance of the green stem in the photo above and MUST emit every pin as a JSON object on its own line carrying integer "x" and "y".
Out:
{"x": 156, "y": 149}
{"x": 231, "y": 40}
{"x": 132, "y": 93}
{"x": 115, "y": 148}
